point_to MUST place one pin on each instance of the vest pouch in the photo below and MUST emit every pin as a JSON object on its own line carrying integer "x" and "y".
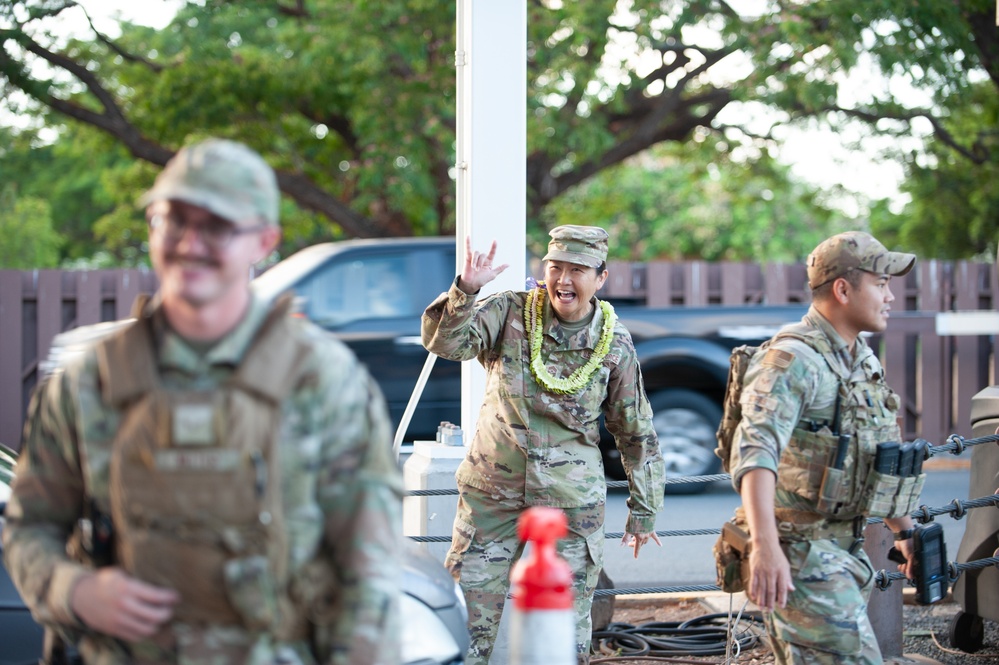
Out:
{"x": 909, "y": 492}
{"x": 250, "y": 587}
{"x": 803, "y": 463}
{"x": 731, "y": 552}
{"x": 879, "y": 495}
{"x": 834, "y": 493}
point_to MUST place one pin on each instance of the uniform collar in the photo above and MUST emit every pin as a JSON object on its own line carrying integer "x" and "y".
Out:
{"x": 176, "y": 352}
{"x": 815, "y": 319}
{"x": 592, "y": 330}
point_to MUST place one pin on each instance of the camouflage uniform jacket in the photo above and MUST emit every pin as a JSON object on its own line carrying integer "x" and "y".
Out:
{"x": 801, "y": 395}
{"x": 538, "y": 445}
{"x": 340, "y": 486}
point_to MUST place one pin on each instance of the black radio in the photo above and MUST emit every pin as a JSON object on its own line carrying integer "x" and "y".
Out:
{"x": 929, "y": 563}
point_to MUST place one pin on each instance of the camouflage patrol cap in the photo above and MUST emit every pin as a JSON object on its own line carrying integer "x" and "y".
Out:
{"x": 584, "y": 245}
{"x": 224, "y": 177}
{"x": 853, "y": 250}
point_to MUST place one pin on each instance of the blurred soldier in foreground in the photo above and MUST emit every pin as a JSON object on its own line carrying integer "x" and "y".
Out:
{"x": 212, "y": 483}
{"x": 815, "y": 406}
{"x": 556, "y": 358}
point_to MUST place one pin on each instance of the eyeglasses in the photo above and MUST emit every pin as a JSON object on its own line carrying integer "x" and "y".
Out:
{"x": 216, "y": 233}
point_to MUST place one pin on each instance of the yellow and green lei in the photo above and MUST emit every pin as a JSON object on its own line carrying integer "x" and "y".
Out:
{"x": 534, "y": 323}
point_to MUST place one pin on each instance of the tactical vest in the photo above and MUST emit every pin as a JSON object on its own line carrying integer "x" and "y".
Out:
{"x": 813, "y": 466}
{"x": 194, "y": 481}
{"x": 810, "y": 478}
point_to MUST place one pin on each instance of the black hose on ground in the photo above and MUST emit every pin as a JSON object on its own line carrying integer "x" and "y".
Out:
{"x": 706, "y": 635}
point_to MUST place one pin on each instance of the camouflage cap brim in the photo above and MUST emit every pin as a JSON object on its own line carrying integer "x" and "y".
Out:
{"x": 573, "y": 257}
{"x": 895, "y": 264}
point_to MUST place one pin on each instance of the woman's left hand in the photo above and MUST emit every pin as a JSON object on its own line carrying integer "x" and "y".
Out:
{"x": 636, "y": 540}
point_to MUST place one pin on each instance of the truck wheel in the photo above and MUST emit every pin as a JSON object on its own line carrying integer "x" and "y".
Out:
{"x": 686, "y": 422}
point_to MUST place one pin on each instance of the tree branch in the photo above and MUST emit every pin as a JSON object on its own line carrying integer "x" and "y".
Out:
{"x": 111, "y": 44}
{"x": 977, "y": 154}
{"x": 113, "y": 121}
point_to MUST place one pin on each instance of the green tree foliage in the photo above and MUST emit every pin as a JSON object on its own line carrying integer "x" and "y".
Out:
{"x": 941, "y": 85}
{"x": 954, "y": 208}
{"x": 354, "y": 103}
{"x": 29, "y": 240}
{"x": 696, "y": 202}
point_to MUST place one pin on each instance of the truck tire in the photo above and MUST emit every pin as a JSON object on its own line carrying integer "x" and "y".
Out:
{"x": 686, "y": 422}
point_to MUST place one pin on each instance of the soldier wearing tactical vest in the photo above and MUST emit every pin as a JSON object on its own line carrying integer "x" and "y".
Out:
{"x": 814, "y": 407}
{"x": 213, "y": 483}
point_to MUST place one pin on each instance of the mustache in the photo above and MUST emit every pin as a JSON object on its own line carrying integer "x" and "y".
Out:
{"x": 207, "y": 261}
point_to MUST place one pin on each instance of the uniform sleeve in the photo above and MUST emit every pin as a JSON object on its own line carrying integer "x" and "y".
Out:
{"x": 455, "y": 328}
{"x": 779, "y": 385}
{"x": 45, "y": 503}
{"x": 628, "y": 417}
{"x": 360, "y": 492}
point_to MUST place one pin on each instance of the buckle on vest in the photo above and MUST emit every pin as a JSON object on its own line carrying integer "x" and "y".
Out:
{"x": 859, "y": 523}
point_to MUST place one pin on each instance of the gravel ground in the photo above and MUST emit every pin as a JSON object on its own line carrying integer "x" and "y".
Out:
{"x": 926, "y": 631}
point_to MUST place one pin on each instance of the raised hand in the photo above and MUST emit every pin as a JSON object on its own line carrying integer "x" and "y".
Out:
{"x": 479, "y": 269}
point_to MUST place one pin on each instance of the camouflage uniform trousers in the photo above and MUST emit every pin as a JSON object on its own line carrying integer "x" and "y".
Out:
{"x": 825, "y": 620}
{"x": 484, "y": 547}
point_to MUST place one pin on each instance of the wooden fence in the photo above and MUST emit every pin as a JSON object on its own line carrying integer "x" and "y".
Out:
{"x": 936, "y": 376}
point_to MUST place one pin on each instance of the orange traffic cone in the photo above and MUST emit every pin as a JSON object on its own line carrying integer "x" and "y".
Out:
{"x": 543, "y": 624}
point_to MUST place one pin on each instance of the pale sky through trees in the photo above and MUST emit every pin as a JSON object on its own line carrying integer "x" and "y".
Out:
{"x": 817, "y": 156}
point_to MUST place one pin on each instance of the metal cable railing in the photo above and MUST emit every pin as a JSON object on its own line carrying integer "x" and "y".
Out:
{"x": 957, "y": 509}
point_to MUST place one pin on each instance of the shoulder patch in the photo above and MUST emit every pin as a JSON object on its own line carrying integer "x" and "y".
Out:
{"x": 777, "y": 358}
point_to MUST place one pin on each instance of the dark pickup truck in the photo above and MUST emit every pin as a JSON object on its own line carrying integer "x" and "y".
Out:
{"x": 371, "y": 293}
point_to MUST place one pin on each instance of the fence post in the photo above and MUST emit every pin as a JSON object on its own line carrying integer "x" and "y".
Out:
{"x": 884, "y": 607}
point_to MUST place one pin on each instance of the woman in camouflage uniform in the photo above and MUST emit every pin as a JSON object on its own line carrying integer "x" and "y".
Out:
{"x": 556, "y": 360}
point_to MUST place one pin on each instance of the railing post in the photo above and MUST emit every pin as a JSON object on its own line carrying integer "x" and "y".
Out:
{"x": 885, "y": 607}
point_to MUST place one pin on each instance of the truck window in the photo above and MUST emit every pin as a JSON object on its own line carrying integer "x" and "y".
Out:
{"x": 362, "y": 288}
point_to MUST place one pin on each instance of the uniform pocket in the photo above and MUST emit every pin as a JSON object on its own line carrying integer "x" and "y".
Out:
{"x": 250, "y": 588}
{"x": 462, "y": 536}
{"x": 515, "y": 370}
{"x": 822, "y": 611}
{"x": 595, "y": 547}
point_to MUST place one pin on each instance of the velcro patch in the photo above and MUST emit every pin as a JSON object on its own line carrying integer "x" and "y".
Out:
{"x": 777, "y": 358}
{"x": 762, "y": 402}
{"x": 212, "y": 459}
